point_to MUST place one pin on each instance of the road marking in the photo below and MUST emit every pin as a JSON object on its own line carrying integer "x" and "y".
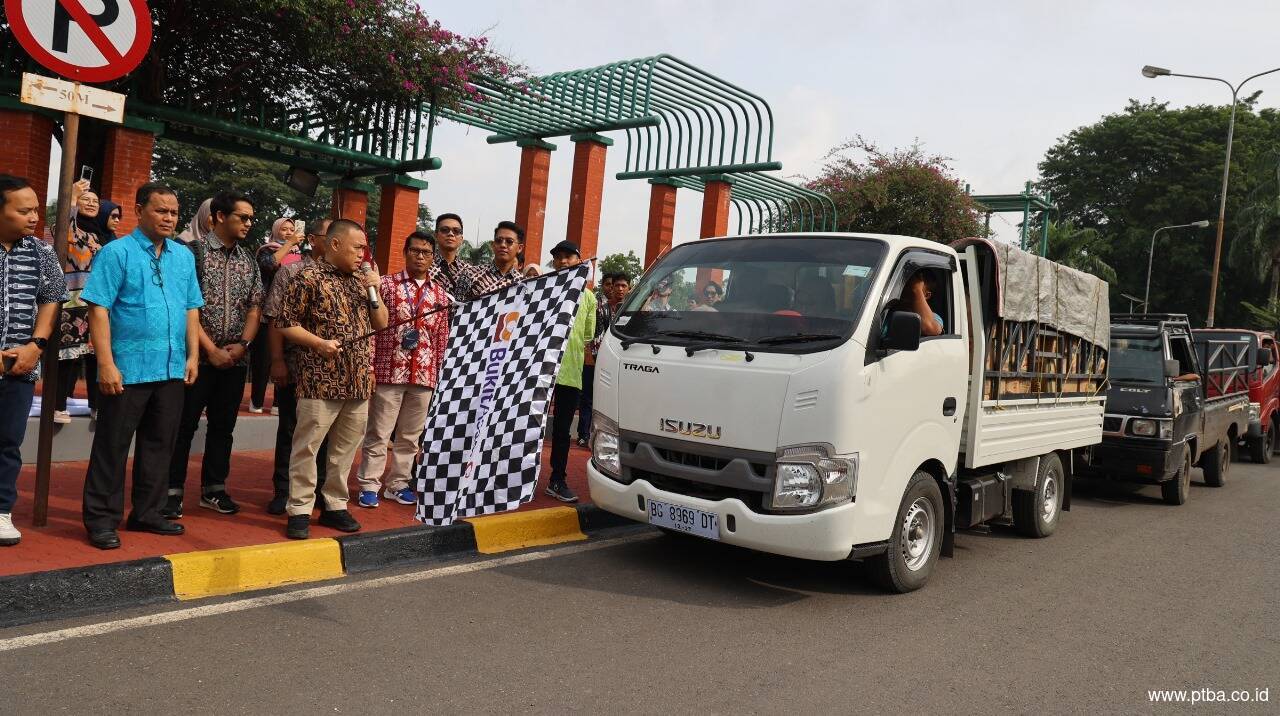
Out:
{"x": 52, "y": 637}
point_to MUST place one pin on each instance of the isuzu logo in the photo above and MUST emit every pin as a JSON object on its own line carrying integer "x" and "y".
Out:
{"x": 693, "y": 430}
{"x": 640, "y": 368}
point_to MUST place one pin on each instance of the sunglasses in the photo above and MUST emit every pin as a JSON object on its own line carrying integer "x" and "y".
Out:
{"x": 449, "y": 231}
{"x": 156, "y": 277}
{"x": 504, "y": 241}
{"x": 246, "y": 218}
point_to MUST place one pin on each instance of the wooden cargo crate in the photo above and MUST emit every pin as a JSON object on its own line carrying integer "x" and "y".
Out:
{"x": 1027, "y": 360}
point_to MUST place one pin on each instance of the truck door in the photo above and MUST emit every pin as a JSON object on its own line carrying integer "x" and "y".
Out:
{"x": 1188, "y": 395}
{"x": 918, "y": 397}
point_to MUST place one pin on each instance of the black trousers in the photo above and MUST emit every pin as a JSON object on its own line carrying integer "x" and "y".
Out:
{"x": 287, "y": 401}
{"x": 69, "y": 373}
{"x": 259, "y": 368}
{"x": 216, "y": 391}
{"x": 584, "y": 402}
{"x": 566, "y": 403}
{"x": 152, "y": 411}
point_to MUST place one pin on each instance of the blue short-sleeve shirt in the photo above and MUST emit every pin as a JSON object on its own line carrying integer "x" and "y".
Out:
{"x": 147, "y": 300}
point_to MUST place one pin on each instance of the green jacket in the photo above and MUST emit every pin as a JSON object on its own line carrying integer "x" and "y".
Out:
{"x": 583, "y": 330}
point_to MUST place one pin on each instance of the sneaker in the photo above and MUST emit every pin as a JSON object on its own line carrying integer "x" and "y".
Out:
{"x": 255, "y": 409}
{"x": 277, "y": 504}
{"x": 299, "y": 527}
{"x": 582, "y": 442}
{"x": 368, "y": 498}
{"x": 405, "y": 495}
{"x": 340, "y": 520}
{"x": 172, "y": 509}
{"x": 275, "y": 410}
{"x": 93, "y": 414}
{"x": 9, "y": 535}
{"x": 561, "y": 491}
{"x": 62, "y": 417}
{"x": 219, "y": 502}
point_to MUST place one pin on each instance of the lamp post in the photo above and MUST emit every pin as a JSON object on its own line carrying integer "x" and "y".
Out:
{"x": 1202, "y": 224}
{"x": 1152, "y": 72}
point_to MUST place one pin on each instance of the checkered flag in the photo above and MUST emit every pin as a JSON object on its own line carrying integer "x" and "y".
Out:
{"x": 482, "y": 447}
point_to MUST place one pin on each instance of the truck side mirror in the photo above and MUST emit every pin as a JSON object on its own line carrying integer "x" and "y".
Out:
{"x": 1171, "y": 369}
{"x": 903, "y": 332}
{"x": 1265, "y": 359}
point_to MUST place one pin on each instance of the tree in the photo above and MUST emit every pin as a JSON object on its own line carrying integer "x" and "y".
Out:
{"x": 1256, "y": 245}
{"x": 1264, "y": 318}
{"x": 1080, "y": 249}
{"x": 628, "y": 264}
{"x": 481, "y": 255}
{"x": 905, "y": 191}
{"x": 1149, "y": 166}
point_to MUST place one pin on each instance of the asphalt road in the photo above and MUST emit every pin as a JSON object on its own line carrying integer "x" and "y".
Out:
{"x": 1129, "y": 595}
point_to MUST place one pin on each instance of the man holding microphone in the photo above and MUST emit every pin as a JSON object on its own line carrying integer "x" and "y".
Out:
{"x": 329, "y": 310}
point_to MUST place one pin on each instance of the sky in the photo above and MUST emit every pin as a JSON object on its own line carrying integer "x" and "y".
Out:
{"x": 989, "y": 84}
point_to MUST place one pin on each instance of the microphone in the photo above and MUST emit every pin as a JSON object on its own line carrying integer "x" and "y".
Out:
{"x": 370, "y": 291}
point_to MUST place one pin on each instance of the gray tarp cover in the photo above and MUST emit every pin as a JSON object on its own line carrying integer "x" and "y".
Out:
{"x": 1032, "y": 288}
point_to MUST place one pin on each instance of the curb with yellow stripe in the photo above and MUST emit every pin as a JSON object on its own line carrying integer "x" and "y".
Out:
{"x": 41, "y": 596}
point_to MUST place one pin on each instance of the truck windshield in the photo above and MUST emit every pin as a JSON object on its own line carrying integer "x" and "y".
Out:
{"x": 780, "y": 294}
{"x": 1136, "y": 359}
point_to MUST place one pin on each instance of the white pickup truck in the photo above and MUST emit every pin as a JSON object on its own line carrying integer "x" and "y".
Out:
{"x": 806, "y": 415}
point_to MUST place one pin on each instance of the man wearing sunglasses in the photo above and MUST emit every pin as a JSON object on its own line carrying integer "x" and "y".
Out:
{"x": 144, "y": 321}
{"x": 229, "y": 321}
{"x": 508, "y": 243}
{"x": 453, "y": 274}
{"x": 406, "y": 362}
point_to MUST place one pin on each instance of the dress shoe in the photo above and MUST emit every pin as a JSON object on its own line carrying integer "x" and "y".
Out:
{"x": 161, "y": 527}
{"x": 104, "y": 539}
{"x": 277, "y": 504}
{"x": 340, "y": 520}
{"x": 299, "y": 527}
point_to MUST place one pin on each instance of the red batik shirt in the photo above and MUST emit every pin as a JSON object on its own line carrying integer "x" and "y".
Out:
{"x": 404, "y": 297}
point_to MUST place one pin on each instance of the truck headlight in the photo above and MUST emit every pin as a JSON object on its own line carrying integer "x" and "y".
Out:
{"x": 1255, "y": 412}
{"x": 604, "y": 445}
{"x": 807, "y": 478}
{"x": 1144, "y": 428}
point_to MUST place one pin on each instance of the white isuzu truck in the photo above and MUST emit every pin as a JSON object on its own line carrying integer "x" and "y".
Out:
{"x": 807, "y": 413}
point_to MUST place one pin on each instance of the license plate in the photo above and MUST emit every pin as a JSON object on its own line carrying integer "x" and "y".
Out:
{"x": 684, "y": 519}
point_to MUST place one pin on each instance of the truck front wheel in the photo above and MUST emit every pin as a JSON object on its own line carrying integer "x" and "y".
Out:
{"x": 1036, "y": 512}
{"x": 1175, "y": 491}
{"x": 916, "y": 540}
{"x": 1216, "y": 465}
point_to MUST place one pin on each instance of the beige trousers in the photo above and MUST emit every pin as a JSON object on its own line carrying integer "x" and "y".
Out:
{"x": 397, "y": 414}
{"x": 343, "y": 422}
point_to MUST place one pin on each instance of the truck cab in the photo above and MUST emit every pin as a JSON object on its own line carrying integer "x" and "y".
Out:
{"x": 806, "y": 414}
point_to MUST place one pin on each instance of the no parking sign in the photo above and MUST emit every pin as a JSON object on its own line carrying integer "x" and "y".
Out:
{"x": 84, "y": 40}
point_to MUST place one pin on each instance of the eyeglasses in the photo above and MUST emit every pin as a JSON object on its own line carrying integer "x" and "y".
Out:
{"x": 504, "y": 241}
{"x": 156, "y": 277}
{"x": 711, "y": 294}
{"x": 246, "y": 218}
{"x": 421, "y": 253}
{"x": 449, "y": 231}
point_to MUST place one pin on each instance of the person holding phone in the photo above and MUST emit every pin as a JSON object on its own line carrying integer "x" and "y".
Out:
{"x": 32, "y": 290}
{"x": 82, "y": 245}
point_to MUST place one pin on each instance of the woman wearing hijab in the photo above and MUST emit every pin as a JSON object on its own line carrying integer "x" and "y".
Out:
{"x": 82, "y": 244}
{"x": 201, "y": 224}
{"x": 281, "y": 249}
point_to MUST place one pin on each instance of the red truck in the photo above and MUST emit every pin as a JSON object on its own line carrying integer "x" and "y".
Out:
{"x": 1262, "y": 355}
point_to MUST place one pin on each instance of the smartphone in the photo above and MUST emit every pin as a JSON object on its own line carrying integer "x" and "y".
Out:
{"x": 86, "y": 173}
{"x": 6, "y": 364}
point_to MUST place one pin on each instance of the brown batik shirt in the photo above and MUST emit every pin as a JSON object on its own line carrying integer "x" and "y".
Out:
{"x": 232, "y": 287}
{"x": 333, "y": 306}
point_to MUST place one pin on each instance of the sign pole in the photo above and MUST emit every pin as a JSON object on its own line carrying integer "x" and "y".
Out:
{"x": 48, "y": 395}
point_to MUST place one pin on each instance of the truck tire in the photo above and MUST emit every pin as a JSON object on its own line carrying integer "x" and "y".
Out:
{"x": 1216, "y": 465}
{"x": 1036, "y": 512}
{"x": 916, "y": 540}
{"x": 1261, "y": 447}
{"x": 1175, "y": 491}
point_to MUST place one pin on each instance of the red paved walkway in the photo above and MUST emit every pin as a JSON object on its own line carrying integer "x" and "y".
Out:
{"x": 62, "y": 542}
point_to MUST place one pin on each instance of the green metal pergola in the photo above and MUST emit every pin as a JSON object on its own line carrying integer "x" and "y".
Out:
{"x": 767, "y": 204}
{"x": 1026, "y": 202}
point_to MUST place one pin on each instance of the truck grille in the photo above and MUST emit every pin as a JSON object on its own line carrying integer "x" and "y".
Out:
{"x": 1112, "y": 424}
{"x": 704, "y": 462}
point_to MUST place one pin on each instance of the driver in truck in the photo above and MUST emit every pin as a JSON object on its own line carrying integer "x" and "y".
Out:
{"x": 915, "y": 298}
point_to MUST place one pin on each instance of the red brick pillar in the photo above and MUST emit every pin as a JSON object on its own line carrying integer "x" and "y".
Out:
{"x": 662, "y": 219}
{"x": 587, "y": 191}
{"x": 351, "y": 201}
{"x": 531, "y": 196}
{"x": 24, "y": 152}
{"x": 715, "y": 221}
{"x": 397, "y": 218}
{"x": 126, "y": 166}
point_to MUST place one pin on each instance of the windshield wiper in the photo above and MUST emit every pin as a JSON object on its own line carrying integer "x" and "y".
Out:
{"x": 797, "y": 338}
{"x": 695, "y": 335}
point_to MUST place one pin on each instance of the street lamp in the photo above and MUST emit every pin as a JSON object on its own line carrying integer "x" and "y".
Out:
{"x": 1202, "y": 224}
{"x": 1152, "y": 72}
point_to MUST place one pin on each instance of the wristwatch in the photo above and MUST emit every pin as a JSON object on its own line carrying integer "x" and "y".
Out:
{"x": 40, "y": 342}
{"x": 244, "y": 343}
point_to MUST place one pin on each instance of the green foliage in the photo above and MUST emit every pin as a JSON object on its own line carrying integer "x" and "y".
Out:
{"x": 1264, "y": 318}
{"x": 1150, "y": 166}
{"x": 901, "y": 192}
{"x": 481, "y": 255}
{"x": 196, "y": 174}
{"x": 1081, "y": 249}
{"x": 627, "y": 263}
{"x": 1256, "y": 244}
